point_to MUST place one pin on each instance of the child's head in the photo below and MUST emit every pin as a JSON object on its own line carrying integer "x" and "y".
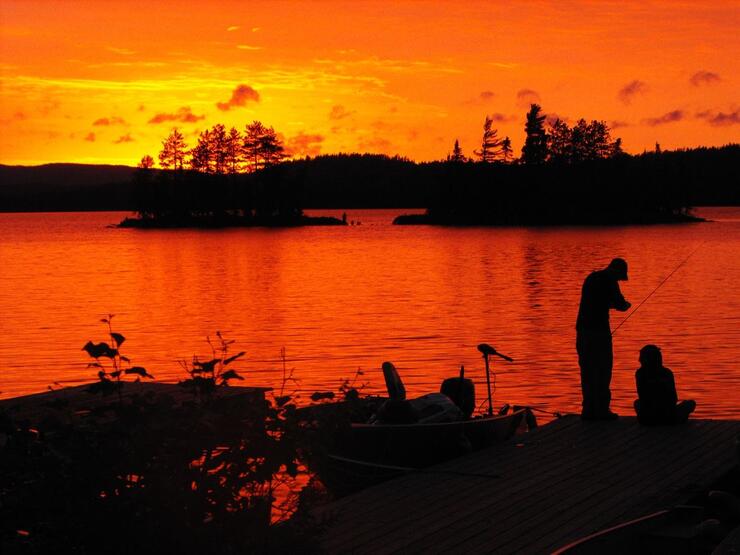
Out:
{"x": 651, "y": 357}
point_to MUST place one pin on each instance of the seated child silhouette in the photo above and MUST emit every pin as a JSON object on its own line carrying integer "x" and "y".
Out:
{"x": 656, "y": 389}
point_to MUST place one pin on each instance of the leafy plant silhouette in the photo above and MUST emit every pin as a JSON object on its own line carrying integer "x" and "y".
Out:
{"x": 117, "y": 365}
{"x": 205, "y": 377}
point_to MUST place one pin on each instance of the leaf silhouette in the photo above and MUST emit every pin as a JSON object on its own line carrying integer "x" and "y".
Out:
{"x": 97, "y": 350}
{"x": 230, "y": 375}
{"x": 320, "y": 395}
{"x": 206, "y": 366}
{"x": 118, "y": 338}
{"x": 232, "y": 359}
{"x": 139, "y": 371}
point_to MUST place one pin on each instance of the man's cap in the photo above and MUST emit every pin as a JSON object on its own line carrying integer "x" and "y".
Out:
{"x": 619, "y": 267}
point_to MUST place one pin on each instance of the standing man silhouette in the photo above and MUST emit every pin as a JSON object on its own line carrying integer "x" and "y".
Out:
{"x": 600, "y": 293}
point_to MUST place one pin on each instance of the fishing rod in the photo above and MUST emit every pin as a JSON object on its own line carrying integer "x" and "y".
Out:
{"x": 658, "y": 287}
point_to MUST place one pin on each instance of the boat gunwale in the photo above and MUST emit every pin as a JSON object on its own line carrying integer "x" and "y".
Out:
{"x": 417, "y": 425}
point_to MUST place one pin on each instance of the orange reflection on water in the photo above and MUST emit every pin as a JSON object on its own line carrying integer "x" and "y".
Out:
{"x": 339, "y": 299}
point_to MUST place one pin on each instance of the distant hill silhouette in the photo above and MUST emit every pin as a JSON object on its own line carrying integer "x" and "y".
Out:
{"x": 65, "y": 187}
{"x": 671, "y": 179}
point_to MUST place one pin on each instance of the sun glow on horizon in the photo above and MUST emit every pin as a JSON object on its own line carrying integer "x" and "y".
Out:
{"x": 105, "y": 82}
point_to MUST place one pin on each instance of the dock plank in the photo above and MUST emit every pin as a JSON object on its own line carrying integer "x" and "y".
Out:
{"x": 565, "y": 480}
{"x": 511, "y": 523}
{"x": 423, "y": 489}
{"x": 512, "y": 463}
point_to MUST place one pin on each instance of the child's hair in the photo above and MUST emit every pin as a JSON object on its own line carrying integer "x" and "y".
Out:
{"x": 650, "y": 355}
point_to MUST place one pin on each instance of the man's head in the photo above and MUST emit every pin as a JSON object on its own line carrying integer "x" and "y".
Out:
{"x": 651, "y": 357}
{"x": 618, "y": 268}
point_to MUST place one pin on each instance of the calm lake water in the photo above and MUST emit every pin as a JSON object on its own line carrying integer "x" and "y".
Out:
{"x": 343, "y": 299}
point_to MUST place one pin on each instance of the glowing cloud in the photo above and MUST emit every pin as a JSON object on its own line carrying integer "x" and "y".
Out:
{"x": 90, "y": 137}
{"x": 127, "y": 138}
{"x": 501, "y": 118}
{"x": 184, "y": 115}
{"x": 704, "y": 78}
{"x": 241, "y": 95}
{"x": 339, "y": 112}
{"x": 670, "y": 117}
{"x": 630, "y": 90}
{"x": 114, "y": 120}
{"x": 525, "y": 97}
{"x": 720, "y": 119}
{"x": 304, "y": 144}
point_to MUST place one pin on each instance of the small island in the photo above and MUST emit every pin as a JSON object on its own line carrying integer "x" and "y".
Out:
{"x": 215, "y": 221}
{"x": 226, "y": 180}
{"x": 572, "y": 176}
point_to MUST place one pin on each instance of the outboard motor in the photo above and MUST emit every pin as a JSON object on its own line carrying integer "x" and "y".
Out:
{"x": 462, "y": 392}
{"x": 393, "y": 383}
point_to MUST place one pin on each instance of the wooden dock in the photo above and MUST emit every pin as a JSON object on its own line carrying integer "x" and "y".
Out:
{"x": 561, "y": 482}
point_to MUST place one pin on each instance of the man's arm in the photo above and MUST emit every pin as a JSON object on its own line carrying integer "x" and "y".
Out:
{"x": 617, "y": 299}
{"x": 671, "y": 387}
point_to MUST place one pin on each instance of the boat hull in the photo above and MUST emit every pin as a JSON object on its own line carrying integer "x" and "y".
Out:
{"x": 372, "y": 453}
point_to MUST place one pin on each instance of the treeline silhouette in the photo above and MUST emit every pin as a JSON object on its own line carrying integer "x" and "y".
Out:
{"x": 207, "y": 185}
{"x": 669, "y": 181}
{"x": 66, "y": 187}
{"x": 692, "y": 177}
{"x": 565, "y": 174}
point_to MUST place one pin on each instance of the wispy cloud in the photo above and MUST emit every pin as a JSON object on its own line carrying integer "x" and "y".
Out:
{"x": 249, "y": 47}
{"x": 17, "y": 116}
{"x": 720, "y": 119}
{"x": 233, "y": 28}
{"x": 525, "y": 97}
{"x": 392, "y": 65}
{"x": 669, "y": 117}
{"x": 184, "y": 115}
{"x": 114, "y": 120}
{"x": 501, "y": 118}
{"x": 90, "y": 137}
{"x": 304, "y": 144}
{"x": 241, "y": 95}
{"x": 338, "y": 112}
{"x": 127, "y": 138}
{"x": 704, "y": 77}
{"x": 121, "y": 51}
{"x": 375, "y": 145}
{"x": 632, "y": 89}
{"x": 552, "y": 118}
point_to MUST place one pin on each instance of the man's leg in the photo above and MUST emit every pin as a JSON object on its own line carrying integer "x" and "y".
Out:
{"x": 683, "y": 410}
{"x": 607, "y": 363}
{"x": 589, "y": 374}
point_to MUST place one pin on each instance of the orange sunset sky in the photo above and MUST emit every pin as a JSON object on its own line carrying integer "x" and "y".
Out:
{"x": 104, "y": 81}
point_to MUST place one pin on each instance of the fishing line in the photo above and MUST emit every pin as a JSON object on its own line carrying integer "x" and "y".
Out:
{"x": 658, "y": 287}
{"x": 393, "y": 467}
